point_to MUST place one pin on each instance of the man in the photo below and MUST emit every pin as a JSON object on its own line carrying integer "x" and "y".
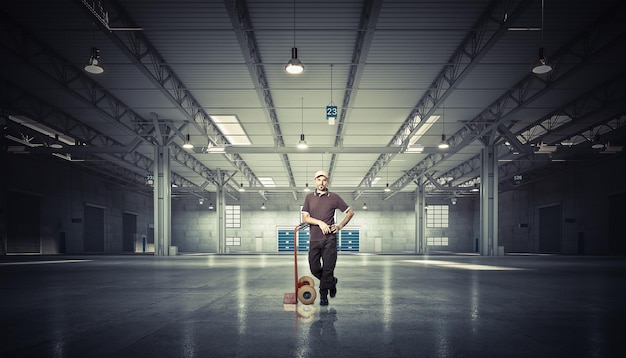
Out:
{"x": 319, "y": 212}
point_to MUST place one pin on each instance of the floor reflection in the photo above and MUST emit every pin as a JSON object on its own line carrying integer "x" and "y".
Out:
{"x": 403, "y": 307}
{"x": 324, "y": 327}
{"x": 314, "y": 329}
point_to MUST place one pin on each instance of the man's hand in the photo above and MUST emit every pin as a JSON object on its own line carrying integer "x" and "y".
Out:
{"x": 334, "y": 228}
{"x": 325, "y": 228}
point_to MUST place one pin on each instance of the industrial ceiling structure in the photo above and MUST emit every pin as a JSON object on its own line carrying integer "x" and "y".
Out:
{"x": 384, "y": 84}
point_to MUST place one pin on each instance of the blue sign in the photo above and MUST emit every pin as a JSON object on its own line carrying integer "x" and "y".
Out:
{"x": 331, "y": 114}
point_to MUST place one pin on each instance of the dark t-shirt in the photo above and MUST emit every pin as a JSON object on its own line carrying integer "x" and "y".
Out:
{"x": 322, "y": 207}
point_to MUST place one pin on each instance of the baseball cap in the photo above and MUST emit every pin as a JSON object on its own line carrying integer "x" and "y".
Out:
{"x": 321, "y": 172}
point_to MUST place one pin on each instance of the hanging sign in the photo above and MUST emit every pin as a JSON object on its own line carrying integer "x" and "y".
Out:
{"x": 331, "y": 114}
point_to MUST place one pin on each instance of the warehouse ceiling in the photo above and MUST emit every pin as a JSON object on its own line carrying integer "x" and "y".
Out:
{"x": 403, "y": 75}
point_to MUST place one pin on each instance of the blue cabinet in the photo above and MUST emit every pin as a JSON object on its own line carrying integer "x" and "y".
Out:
{"x": 285, "y": 240}
{"x": 348, "y": 240}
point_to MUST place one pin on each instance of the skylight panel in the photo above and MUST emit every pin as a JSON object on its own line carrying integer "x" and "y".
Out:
{"x": 268, "y": 182}
{"x": 231, "y": 128}
{"x": 43, "y": 129}
{"x": 423, "y": 129}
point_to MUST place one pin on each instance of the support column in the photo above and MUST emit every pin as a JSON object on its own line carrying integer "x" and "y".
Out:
{"x": 4, "y": 180}
{"x": 220, "y": 206}
{"x": 162, "y": 201}
{"x": 489, "y": 201}
{"x": 420, "y": 203}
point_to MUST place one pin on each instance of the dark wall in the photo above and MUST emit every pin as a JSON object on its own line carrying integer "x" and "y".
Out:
{"x": 585, "y": 195}
{"x": 65, "y": 194}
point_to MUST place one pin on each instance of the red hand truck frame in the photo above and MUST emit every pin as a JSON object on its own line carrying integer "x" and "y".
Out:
{"x": 304, "y": 286}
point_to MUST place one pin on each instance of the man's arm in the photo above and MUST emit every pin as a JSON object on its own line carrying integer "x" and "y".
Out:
{"x": 306, "y": 218}
{"x": 344, "y": 222}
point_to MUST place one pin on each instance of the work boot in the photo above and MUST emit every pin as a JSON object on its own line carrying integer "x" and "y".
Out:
{"x": 323, "y": 297}
{"x": 333, "y": 290}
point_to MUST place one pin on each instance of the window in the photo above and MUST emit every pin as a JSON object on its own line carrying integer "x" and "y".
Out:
{"x": 233, "y": 241}
{"x": 437, "y": 216}
{"x": 436, "y": 241}
{"x": 233, "y": 216}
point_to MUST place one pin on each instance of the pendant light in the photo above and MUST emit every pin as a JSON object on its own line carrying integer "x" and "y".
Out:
{"x": 444, "y": 143}
{"x": 241, "y": 188}
{"x": 306, "y": 173}
{"x": 542, "y": 66}
{"x": 294, "y": 66}
{"x": 596, "y": 143}
{"x": 302, "y": 144}
{"x": 188, "y": 144}
{"x": 387, "y": 188}
{"x": 93, "y": 65}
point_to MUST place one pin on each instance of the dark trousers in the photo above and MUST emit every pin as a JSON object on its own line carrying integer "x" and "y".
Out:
{"x": 322, "y": 260}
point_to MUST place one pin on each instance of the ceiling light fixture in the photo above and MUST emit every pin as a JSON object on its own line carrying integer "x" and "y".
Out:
{"x": 306, "y": 174}
{"x": 364, "y": 206}
{"x": 263, "y": 206}
{"x": 150, "y": 179}
{"x": 542, "y": 66}
{"x": 302, "y": 144}
{"x": 597, "y": 144}
{"x": 188, "y": 144}
{"x": 93, "y": 66}
{"x": 294, "y": 66}
{"x": 443, "y": 144}
{"x": 241, "y": 188}
{"x": 387, "y": 188}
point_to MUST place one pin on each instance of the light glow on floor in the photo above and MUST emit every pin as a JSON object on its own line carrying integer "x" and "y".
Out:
{"x": 464, "y": 266}
{"x": 41, "y": 262}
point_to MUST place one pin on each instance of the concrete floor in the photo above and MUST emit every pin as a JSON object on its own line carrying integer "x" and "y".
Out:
{"x": 386, "y": 306}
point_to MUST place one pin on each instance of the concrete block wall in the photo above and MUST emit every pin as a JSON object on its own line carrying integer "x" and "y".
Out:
{"x": 461, "y": 231}
{"x": 395, "y": 228}
{"x": 194, "y": 227}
